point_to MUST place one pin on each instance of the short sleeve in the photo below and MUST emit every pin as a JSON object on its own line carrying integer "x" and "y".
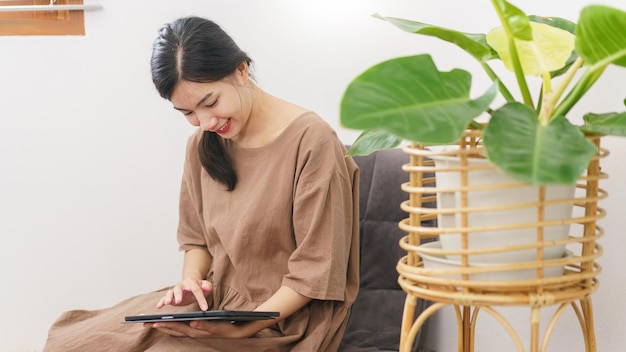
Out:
{"x": 190, "y": 232}
{"x": 324, "y": 210}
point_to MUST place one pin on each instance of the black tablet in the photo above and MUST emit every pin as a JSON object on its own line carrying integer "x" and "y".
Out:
{"x": 230, "y": 315}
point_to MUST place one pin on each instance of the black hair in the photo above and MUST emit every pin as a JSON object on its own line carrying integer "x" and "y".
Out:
{"x": 196, "y": 49}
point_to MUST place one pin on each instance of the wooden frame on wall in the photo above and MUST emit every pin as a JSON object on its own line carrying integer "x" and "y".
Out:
{"x": 41, "y": 22}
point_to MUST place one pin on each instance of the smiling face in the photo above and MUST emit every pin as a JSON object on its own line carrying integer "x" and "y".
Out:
{"x": 222, "y": 107}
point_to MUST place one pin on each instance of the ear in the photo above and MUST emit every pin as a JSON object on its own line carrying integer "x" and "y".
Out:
{"x": 243, "y": 71}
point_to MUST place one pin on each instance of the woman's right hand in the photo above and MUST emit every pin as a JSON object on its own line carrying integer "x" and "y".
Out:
{"x": 186, "y": 292}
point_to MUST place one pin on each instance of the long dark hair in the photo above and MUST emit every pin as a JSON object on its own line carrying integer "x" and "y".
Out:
{"x": 196, "y": 49}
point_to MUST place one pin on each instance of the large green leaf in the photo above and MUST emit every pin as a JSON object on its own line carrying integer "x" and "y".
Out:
{"x": 556, "y": 153}
{"x": 613, "y": 124}
{"x": 372, "y": 140}
{"x": 548, "y": 51}
{"x": 564, "y": 24}
{"x": 410, "y": 98}
{"x": 601, "y": 35}
{"x": 600, "y": 41}
{"x": 473, "y": 44}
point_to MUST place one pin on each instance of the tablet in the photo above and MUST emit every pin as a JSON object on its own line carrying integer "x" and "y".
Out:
{"x": 230, "y": 315}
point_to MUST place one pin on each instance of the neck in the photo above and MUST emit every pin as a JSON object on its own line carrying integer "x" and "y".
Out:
{"x": 268, "y": 117}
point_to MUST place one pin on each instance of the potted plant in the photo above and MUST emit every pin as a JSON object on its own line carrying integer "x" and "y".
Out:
{"x": 530, "y": 138}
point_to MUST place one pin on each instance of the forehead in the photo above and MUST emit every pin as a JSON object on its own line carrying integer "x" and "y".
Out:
{"x": 187, "y": 94}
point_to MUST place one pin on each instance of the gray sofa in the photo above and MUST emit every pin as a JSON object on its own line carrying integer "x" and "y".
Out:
{"x": 377, "y": 313}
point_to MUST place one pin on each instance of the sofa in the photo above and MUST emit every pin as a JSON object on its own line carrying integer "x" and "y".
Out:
{"x": 375, "y": 322}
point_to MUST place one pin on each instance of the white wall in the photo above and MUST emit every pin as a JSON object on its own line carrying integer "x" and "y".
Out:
{"x": 91, "y": 156}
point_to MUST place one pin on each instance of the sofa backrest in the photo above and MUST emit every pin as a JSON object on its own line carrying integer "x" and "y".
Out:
{"x": 381, "y": 176}
{"x": 376, "y": 318}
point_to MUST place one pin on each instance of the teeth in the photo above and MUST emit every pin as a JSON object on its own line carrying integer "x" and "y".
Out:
{"x": 222, "y": 126}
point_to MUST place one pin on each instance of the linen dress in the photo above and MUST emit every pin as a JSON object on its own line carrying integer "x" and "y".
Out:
{"x": 292, "y": 220}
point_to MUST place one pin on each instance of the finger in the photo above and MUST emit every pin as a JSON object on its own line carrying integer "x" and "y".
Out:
{"x": 177, "y": 295}
{"x": 206, "y": 328}
{"x": 180, "y": 330}
{"x": 201, "y": 325}
{"x": 167, "y": 299}
{"x": 171, "y": 332}
{"x": 161, "y": 303}
{"x": 169, "y": 296}
{"x": 200, "y": 297}
{"x": 207, "y": 287}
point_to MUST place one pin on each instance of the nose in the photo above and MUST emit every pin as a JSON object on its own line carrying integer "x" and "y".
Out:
{"x": 208, "y": 122}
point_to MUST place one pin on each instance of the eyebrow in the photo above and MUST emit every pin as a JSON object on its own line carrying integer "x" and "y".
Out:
{"x": 199, "y": 102}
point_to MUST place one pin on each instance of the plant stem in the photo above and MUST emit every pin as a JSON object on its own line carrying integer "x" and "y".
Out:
{"x": 553, "y": 97}
{"x": 543, "y": 106}
{"x": 519, "y": 73}
{"x": 586, "y": 81}
{"x": 503, "y": 89}
{"x": 476, "y": 125}
{"x": 517, "y": 66}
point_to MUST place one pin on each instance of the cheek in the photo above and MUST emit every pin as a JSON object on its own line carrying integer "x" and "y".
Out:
{"x": 225, "y": 110}
{"x": 236, "y": 105}
{"x": 193, "y": 120}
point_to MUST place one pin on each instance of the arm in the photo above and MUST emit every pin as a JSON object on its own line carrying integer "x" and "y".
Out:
{"x": 190, "y": 236}
{"x": 285, "y": 300}
{"x": 196, "y": 265}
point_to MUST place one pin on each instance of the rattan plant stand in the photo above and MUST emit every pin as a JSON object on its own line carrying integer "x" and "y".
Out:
{"x": 470, "y": 289}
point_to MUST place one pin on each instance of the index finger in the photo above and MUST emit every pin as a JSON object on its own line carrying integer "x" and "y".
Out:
{"x": 198, "y": 292}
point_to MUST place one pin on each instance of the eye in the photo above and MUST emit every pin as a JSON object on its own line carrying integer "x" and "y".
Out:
{"x": 212, "y": 104}
{"x": 189, "y": 113}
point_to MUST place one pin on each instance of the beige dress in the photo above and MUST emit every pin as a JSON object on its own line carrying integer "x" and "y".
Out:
{"x": 292, "y": 221}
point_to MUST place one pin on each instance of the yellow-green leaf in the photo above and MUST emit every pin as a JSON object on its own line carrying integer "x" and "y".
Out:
{"x": 548, "y": 51}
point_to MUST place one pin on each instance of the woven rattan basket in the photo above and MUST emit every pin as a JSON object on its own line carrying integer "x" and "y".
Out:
{"x": 566, "y": 280}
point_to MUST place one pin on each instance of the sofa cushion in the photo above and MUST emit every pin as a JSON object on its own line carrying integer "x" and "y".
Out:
{"x": 375, "y": 321}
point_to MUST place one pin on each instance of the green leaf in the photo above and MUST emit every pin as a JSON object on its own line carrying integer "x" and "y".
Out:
{"x": 613, "y": 124}
{"x": 600, "y": 41}
{"x": 372, "y": 140}
{"x": 473, "y": 44}
{"x": 601, "y": 36}
{"x": 411, "y": 99}
{"x": 557, "y": 22}
{"x": 548, "y": 51}
{"x": 557, "y": 153}
{"x": 514, "y": 20}
{"x": 563, "y": 24}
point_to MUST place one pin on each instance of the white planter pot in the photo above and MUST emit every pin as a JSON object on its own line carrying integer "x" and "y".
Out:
{"x": 450, "y": 182}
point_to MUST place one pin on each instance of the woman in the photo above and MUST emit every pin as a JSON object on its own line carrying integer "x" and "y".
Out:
{"x": 268, "y": 215}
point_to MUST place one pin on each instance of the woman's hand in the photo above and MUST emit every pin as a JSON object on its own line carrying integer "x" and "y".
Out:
{"x": 203, "y": 329}
{"x": 285, "y": 300}
{"x": 186, "y": 292}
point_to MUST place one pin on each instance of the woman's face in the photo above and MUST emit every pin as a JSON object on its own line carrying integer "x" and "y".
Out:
{"x": 222, "y": 107}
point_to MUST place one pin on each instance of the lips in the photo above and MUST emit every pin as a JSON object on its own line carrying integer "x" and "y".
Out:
{"x": 224, "y": 128}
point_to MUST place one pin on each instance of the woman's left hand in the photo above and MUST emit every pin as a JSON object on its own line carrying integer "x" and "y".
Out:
{"x": 201, "y": 328}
